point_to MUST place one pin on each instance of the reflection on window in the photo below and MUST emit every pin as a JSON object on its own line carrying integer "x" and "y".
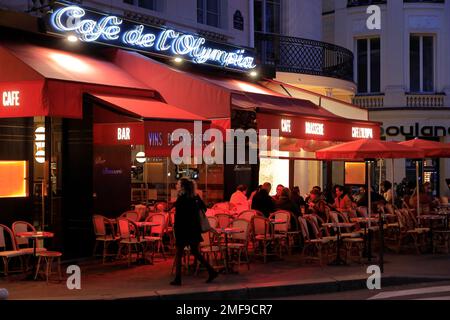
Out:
{"x": 13, "y": 177}
{"x": 208, "y": 12}
{"x": 146, "y": 4}
{"x": 368, "y": 65}
{"x": 421, "y": 63}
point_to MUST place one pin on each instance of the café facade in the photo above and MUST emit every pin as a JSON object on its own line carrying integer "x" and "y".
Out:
{"x": 90, "y": 102}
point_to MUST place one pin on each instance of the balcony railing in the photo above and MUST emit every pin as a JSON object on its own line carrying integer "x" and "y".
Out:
{"x": 369, "y": 101}
{"x": 357, "y": 3}
{"x": 305, "y": 56}
{"x": 425, "y": 100}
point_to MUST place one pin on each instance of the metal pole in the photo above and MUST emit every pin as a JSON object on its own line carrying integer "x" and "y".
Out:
{"x": 392, "y": 179}
{"x": 380, "y": 166}
{"x": 369, "y": 195}
{"x": 417, "y": 188}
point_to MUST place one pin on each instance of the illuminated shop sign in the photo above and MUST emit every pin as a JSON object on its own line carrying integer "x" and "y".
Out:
{"x": 11, "y": 98}
{"x": 91, "y": 26}
{"x": 363, "y": 133}
{"x": 314, "y": 128}
{"x": 39, "y": 144}
{"x": 123, "y": 134}
{"x": 286, "y": 125}
{"x": 416, "y": 130}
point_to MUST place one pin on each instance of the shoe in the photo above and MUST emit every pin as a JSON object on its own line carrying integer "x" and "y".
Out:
{"x": 176, "y": 282}
{"x": 212, "y": 276}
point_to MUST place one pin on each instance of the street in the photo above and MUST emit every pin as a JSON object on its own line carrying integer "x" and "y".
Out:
{"x": 419, "y": 291}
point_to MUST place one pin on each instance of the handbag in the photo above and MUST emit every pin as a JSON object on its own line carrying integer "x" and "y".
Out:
{"x": 204, "y": 222}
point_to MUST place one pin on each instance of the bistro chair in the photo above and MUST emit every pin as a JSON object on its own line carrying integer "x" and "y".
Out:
{"x": 132, "y": 215}
{"x": 313, "y": 247}
{"x": 248, "y": 215}
{"x": 213, "y": 222}
{"x": 224, "y": 220}
{"x": 104, "y": 234}
{"x": 130, "y": 240}
{"x": 161, "y": 207}
{"x": 239, "y": 241}
{"x": 49, "y": 257}
{"x": 8, "y": 249}
{"x": 263, "y": 236}
{"x": 281, "y": 229}
{"x": 156, "y": 233}
{"x": 23, "y": 244}
{"x": 211, "y": 246}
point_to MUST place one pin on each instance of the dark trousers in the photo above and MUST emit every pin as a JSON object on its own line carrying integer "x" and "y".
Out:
{"x": 196, "y": 253}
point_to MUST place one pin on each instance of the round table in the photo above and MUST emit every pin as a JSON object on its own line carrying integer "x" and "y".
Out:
{"x": 142, "y": 225}
{"x": 226, "y": 232}
{"x": 34, "y": 236}
{"x": 338, "y": 225}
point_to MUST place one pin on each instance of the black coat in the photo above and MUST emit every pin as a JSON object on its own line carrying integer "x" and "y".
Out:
{"x": 263, "y": 202}
{"x": 187, "y": 220}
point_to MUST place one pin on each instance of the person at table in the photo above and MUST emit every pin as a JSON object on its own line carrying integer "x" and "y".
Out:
{"x": 297, "y": 198}
{"x": 425, "y": 200}
{"x": 262, "y": 201}
{"x": 187, "y": 228}
{"x": 386, "y": 188}
{"x": 239, "y": 198}
{"x": 342, "y": 201}
{"x": 277, "y": 196}
{"x": 359, "y": 195}
{"x": 376, "y": 200}
{"x": 317, "y": 205}
{"x": 285, "y": 203}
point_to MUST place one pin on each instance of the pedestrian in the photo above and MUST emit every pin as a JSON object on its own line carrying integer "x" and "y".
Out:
{"x": 187, "y": 228}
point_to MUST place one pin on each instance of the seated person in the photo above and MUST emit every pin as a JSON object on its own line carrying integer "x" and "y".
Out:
{"x": 239, "y": 199}
{"x": 342, "y": 202}
{"x": 262, "y": 201}
{"x": 285, "y": 203}
{"x": 317, "y": 205}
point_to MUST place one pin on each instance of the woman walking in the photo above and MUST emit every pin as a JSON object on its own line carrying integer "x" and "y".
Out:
{"x": 187, "y": 228}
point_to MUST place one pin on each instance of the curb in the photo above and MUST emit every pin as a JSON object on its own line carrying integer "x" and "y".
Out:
{"x": 276, "y": 289}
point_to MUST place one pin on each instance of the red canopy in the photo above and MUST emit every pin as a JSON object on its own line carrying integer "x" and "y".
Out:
{"x": 431, "y": 148}
{"x": 368, "y": 149}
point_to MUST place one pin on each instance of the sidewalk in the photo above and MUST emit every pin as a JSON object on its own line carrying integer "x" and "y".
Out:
{"x": 276, "y": 278}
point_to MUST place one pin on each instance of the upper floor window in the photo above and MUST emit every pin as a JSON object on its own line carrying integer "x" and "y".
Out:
{"x": 146, "y": 4}
{"x": 208, "y": 12}
{"x": 368, "y": 65}
{"x": 421, "y": 63}
{"x": 268, "y": 16}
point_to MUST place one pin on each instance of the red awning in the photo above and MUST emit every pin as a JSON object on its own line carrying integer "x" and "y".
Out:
{"x": 146, "y": 108}
{"x": 51, "y": 82}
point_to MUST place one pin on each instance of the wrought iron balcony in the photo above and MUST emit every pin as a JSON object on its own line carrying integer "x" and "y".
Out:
{"x": 305, "y": 56}
{"x": 357, "y": 3}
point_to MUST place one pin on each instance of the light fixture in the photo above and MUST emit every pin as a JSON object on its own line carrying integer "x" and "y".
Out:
{"x": 178, "y": 60}
{"x": 253, "y": 74}
{"x": 72, "y": 38}
{"x": 140, "y": 157}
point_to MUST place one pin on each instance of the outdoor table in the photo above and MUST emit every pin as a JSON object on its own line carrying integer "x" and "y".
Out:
{"x": 142, "y": 225}
{"x": 34, "y": 236}
{"x": 226, "y": 232}
{"x": 338, "y": 261}
{"x": 367, "y": 238}
{"x": 431, "y": 218}
{"x": 445, "y": 214}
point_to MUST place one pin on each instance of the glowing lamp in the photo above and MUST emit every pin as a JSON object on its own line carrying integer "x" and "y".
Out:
{"x": 140, "y": 157}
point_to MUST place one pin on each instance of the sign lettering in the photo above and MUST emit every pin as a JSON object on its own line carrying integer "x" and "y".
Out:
{"x": 286, "y": 125}
{"x": 123, "y": 134}
{"x": 364, "y": 133}
{"x": 91, "y": 26}
{"x": 314, "y": 128}
{"x": 11, "y": 98}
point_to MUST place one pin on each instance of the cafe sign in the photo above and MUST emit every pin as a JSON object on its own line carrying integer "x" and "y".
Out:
{"x": 91, "y": 26}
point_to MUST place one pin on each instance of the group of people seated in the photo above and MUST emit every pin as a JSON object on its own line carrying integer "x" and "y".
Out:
{"x": 317, "y": 201}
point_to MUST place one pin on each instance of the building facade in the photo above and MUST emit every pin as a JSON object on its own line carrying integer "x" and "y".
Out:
{"x": 402, "y": 71}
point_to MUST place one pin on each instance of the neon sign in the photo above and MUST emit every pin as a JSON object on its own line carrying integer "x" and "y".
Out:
{"x": 314, "y": 128}
{"x": 90, "y": 26}
{"x": 364, "y": 133}
{"x": 11, "y": 98}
